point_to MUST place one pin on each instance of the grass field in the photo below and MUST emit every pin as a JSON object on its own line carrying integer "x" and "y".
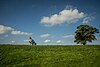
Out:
{"x": 49, "y": 56}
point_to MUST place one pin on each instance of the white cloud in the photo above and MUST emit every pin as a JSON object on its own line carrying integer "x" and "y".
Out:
{"x": 5, "y": 29}
{"x": 68, "y": 36}
{"x": 98, "y": 38}
{"x": 86, "y": 20}
{"x": 59, "y": 41}
{"x": 26, "y": 40}
{"x": 20, "y": 33}
{"x": 47, "y": 41}
{"x": 65, "y": 16}
{"x": 13, "y": 41}
{"x": 44, "y": 35}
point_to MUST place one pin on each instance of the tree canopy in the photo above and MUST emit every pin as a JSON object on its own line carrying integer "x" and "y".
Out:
{"x": 85, "y": 33}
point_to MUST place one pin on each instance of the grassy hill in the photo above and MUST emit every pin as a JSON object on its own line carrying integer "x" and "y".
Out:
{"x": 49, "y": 56}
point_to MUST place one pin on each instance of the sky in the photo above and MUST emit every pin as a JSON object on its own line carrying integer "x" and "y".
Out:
{"x": 48, "y": 22}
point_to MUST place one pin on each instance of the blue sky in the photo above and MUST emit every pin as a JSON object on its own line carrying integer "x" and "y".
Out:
{"x": 48, "y": 22}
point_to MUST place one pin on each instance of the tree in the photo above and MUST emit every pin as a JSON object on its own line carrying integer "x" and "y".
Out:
{"x": 85, "y": 33}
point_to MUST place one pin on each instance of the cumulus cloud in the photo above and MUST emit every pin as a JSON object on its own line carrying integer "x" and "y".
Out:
{"x": 26, "y": 40}
{"x": 86, "y": 20}
{"x": 59, "y": 41}
{"x": 98, "y": 38}
{"x": 13, "y": 41}
{"x": 44, "y": 35}
{"x": 68, "y": 36}
{"x": 47, "y": 41}
{"x": 65, "y": 16}
{"x": 6, "y": 29}
{"x": 20, "y": 33}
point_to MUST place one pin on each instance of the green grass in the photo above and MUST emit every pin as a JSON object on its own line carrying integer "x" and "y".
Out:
{"x": 49, "y": 56}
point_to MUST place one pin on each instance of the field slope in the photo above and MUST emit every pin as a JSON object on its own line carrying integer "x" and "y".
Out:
{"x": 49, "y": 56}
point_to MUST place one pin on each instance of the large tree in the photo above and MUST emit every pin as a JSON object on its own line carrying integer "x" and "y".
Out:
{"x": 85, "y": 33}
